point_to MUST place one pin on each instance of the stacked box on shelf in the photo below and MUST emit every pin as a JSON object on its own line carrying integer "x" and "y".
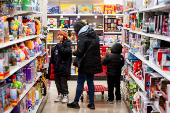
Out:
{"x": 52, "y": 23}
{"x": 52, "y": 9}
{"x": 85, "y": 8}
{"x": 68, "y": 8}
{"x": 98, "y": 8}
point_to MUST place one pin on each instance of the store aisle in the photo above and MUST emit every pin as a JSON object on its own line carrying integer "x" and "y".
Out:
{"x": 100, "y": 102}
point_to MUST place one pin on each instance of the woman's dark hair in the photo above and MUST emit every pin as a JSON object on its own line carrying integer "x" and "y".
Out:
{"x": 78, "y": 25}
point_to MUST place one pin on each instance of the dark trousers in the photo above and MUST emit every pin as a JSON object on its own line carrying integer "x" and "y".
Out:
{"x": 80, "y": 85}
{"x": 113, "y": 81}
{"x": 61, "y": 84}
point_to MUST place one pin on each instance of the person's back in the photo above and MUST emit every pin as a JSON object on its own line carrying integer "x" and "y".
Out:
{"x": 114, "y": 62}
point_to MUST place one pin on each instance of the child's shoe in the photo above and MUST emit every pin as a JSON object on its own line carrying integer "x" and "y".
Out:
{"x": 59, "y": 98}
{"x": 65, "y": 98}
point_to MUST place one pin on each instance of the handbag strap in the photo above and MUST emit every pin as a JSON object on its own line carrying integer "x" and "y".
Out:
{"x": 88, "y": 48}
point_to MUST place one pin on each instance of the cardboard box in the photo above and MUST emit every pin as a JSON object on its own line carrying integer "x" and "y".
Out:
{"x": 68, "y": 8}
{"x": 85, "y": 8}
{"x": 98, "y": 8}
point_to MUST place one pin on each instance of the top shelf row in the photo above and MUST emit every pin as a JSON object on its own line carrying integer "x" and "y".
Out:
{"x": 161, "y": 7}
{"x": 85, "y": 15}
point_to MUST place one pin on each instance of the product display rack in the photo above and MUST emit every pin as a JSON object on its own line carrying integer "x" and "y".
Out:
{"x": 164, "y": 74}
{"x": 20, "y": 65}
{"x": 26, "y": 91}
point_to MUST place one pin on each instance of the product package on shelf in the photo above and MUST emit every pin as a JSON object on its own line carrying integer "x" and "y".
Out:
{"x": 72, "y": 22}
{"x": 109, "y": 9}
{"x": 119, "y": 9}
{"x": 110, "y": 40}
{"x": 98, "y": 8}
{"x": 85, "y": 8}
{"x": 52, "y": 9}
{"x": 52, "y": 23}
{"x": 68, "y": 8}
{"x": 64, "y": 22}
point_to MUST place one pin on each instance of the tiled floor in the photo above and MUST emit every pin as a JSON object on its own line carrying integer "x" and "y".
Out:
{"x": 100, "y": 102}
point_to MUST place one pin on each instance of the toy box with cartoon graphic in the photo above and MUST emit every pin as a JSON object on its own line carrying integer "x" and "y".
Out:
{"x": 119, "y": 39}
{"x": 165, "y": 62}
{"x": 68, "y": 8}
{"x": 110, "y": 40}
{"x": 52, "y": 23}
{"x": 31, "y": 25}
{"x": 98, "y": 8}
{"x": 85, "y": 8}
{"x": 6, "y": 32}
{"x": 1, "y": 30}
{"x": 52, "y": 9}
{"x": 119, "y": 9}
{"x": 109, "y": 9}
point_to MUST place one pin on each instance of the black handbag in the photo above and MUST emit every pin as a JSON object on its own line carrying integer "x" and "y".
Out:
{"x": 77, "y": 61}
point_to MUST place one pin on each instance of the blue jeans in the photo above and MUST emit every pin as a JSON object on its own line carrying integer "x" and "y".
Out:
{"x": 80, "y": 85}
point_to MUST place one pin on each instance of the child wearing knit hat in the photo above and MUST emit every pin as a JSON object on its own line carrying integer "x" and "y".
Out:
{"x": 61, "y": 57}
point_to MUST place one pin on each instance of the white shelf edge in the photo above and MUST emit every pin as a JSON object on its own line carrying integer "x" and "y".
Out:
{"x": 112, "y": 32}
{"x": 37, "y": 106}
{"x": 51, "y": 43}
{"x": 153, "y": 66}
{"x": 74, "y": 74}
{"x": 22, "y": 13}
{"x": 13, "y": 69}
{"x": 129, "y": 9}
{"x": 71, "y": 29}
{"x": 18, "y": 41}
{"x": 84, "y": 14}
{"x": 29, "y": 86}
{"x": 127, "y": 45}
{"x": 161, "y": 37}
{"x": 139, "y": 82}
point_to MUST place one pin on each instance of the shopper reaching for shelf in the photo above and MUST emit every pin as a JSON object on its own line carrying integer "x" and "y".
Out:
{"x": 114, "y": 62}
{"x": 88, "y": 60}
{"x": 61, "y": 57}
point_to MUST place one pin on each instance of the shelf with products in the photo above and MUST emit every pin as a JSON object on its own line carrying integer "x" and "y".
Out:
{"x": 161, "y": 37}
{"x": 84, "y": 14}
{"x": 139, "y": 82}
{"x": 28, "y": 87}
{"x": 13, "y": 69}
{"x": 15, "y": 41}
{"x": 71, "y": 29}
{"x": 37, "y": 106}
{"x": 152, "y": 65}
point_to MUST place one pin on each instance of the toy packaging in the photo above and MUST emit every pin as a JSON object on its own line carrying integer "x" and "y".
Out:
{"x": 109, "y": 9}
{"x": 1, "y": 30}
{"x": 98, "y": 8}
{"x": 85, "y": 8}
{"x": 64, "y": 22}
{"x": 27, "y": 5}
{"x": 119, "y": 9}
{"x": 68, "y": 8}
{"x": 52, "y": 23}
{"x": 52, "y": 9}
{"x": 6, "y": 32}
{"x": 31, "y": 25}
{"x": 110, "y": 40}
{"x": 73, "y": 21}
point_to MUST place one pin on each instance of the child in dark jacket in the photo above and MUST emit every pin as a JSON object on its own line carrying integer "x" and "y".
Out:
{"x": 114, "y": 62}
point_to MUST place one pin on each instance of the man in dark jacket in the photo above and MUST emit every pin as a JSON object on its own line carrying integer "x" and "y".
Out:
{"x": 91, "y": 63}
{"x": 114, "y": 62}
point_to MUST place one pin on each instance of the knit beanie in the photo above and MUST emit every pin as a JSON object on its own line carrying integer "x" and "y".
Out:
{"x": 63, "y": 32}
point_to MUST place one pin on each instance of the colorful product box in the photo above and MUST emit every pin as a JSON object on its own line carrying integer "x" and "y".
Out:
{"x": 98, "y": 8}
{"x": 73, "y": 21}
{"x": 27, "y": 5}
{"x": 52, "y": 9}
{"x": 109, "y": 9}
{"x": 85, "y": 8}
{"x": 1, "y": 30}
{"x": 119, "y": 9}
{"x": 68, "y": 8}
{"x": 31, "y": 25}
{"x": 52, "y": 23}
{"x": 64, "y": 22}
{"x": 110, "y": 40}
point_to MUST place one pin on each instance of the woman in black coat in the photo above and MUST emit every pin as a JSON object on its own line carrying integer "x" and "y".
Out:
{"x": 61, "y": 58}
{"x": 91, "y": 63}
